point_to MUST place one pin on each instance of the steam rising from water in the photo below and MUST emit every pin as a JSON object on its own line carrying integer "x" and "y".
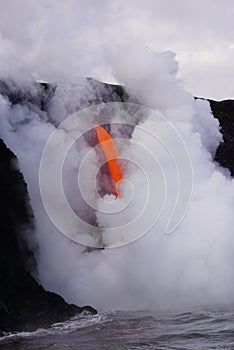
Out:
{"x": 193, "y": 265}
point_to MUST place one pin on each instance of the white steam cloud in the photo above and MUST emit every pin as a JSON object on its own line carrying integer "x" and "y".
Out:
{"x": 193, "y": 265}
{"x": 51, "y": 39}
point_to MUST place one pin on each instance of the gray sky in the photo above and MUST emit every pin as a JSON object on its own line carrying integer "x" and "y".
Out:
{"x": 64, "y": 39}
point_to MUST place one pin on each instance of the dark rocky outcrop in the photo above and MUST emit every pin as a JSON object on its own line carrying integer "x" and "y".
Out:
{"x": 24, "y": 304}
{"x": 40, "y": 94}
{"x": 224, "y": 111}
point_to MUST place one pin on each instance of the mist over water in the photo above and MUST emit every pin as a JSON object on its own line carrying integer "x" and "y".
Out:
{"x": 193, "y": 265}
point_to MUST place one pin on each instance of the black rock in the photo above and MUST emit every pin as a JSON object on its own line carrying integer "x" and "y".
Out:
{"x": 224, "y": 112}
{"x": 87, "y": 309}
{"x": 24, "y": 304}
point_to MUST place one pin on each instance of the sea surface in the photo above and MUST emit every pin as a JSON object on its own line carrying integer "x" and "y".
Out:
{"x": 200, "y": 328}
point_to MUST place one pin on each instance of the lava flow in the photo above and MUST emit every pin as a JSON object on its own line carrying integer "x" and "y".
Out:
{"x": 111, "y": 154}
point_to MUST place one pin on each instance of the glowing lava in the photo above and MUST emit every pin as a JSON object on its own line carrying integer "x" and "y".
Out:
{"x": 111, "y": 153}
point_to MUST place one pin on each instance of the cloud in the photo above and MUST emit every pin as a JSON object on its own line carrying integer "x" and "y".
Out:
{"x": 51, "y": 40}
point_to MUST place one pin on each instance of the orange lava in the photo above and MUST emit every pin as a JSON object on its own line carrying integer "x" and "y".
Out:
{"x": 111, "y": 153}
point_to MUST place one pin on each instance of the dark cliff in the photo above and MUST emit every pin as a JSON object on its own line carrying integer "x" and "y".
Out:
{"x": 224, "y": 112}
{"x": 24, "y": 304}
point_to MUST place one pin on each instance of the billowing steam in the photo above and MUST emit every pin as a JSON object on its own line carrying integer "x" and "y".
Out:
{"x": 192, "y": 265}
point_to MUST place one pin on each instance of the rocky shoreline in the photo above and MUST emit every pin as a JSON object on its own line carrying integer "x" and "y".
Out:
{"x": 24, "y": 304}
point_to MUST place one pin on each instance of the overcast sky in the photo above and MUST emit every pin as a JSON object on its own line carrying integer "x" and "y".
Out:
{"x": 63, "y": 39}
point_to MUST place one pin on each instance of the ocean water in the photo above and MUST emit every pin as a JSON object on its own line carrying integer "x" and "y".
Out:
{"x": 199, "y": 328}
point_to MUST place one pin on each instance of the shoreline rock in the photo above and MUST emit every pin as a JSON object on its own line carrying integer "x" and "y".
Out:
{"x": 24, "y": 304}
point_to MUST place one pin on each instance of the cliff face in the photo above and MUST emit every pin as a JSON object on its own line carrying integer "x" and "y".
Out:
{"x": 224, "y": 112}
{"x": 24, "y": 304}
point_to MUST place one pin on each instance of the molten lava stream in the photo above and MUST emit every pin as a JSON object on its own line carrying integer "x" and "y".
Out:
{"x": 111, "y": 153}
